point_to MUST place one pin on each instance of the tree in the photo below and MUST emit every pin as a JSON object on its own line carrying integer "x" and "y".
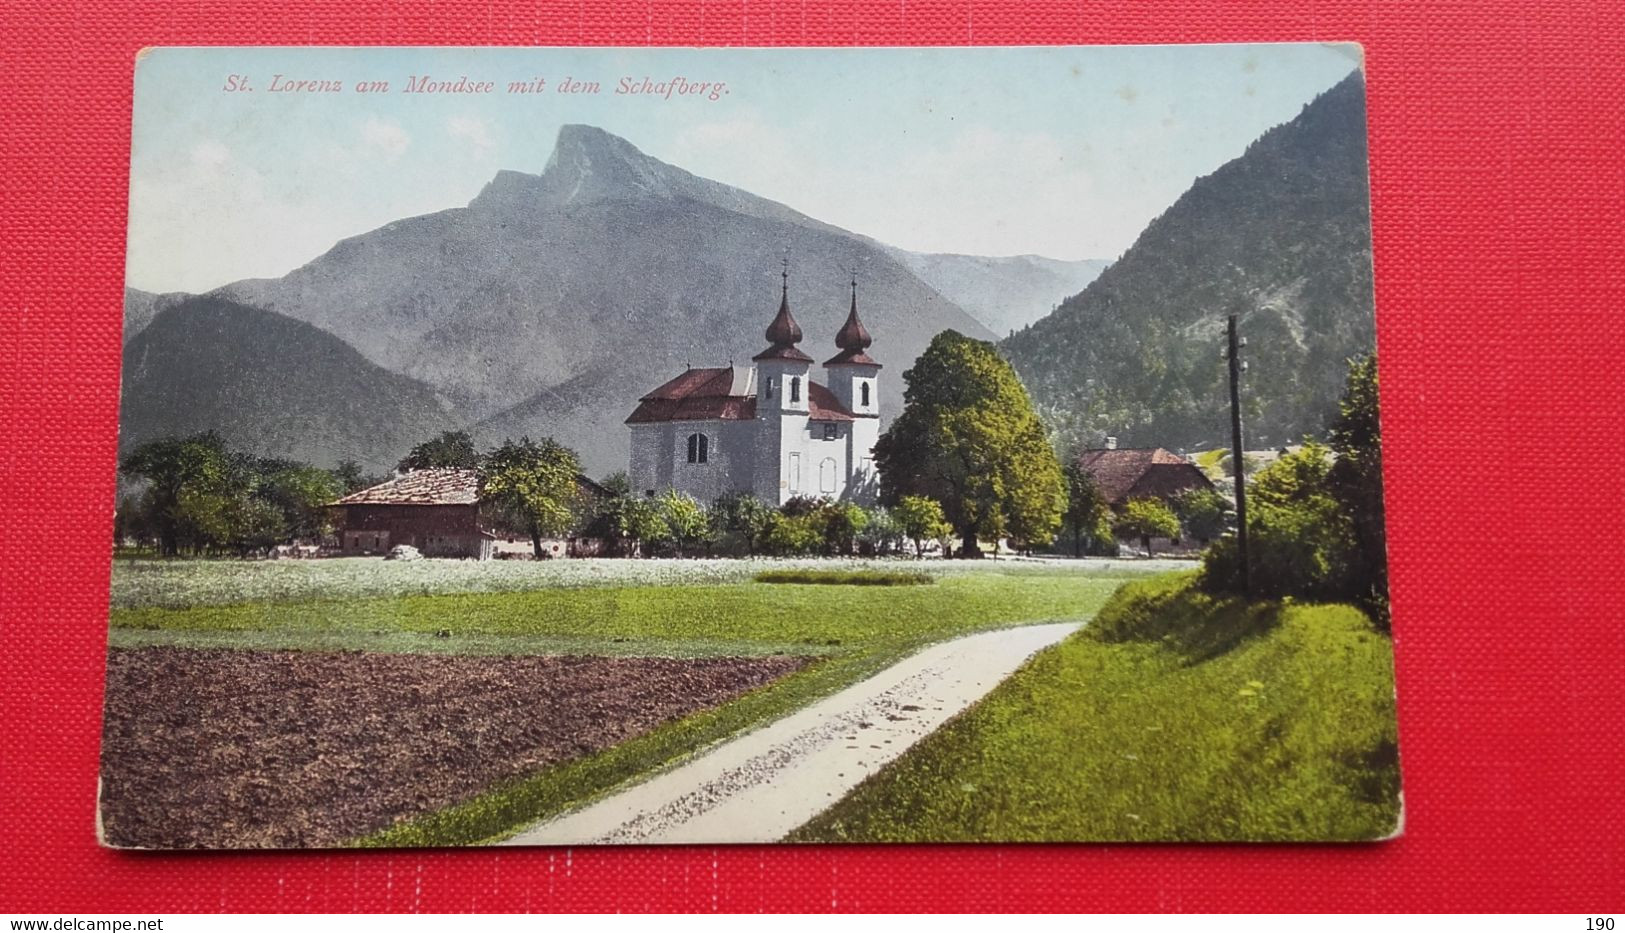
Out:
{"x": 617, "y": 484}
{"x": 1203, "y": 514}
{"x": 685, "y": 519}
{"x": 174, "y": 467}
{"x": 535, "y": 485}
{"x": 882, "y": 534}
{"x": 635, "y": 521}
{"x": 1355, "y": 479}
{"x": 968, "y": 437}
{"x": 738, "y": 520}
{"x": 1086, "y": 507}
{"x": 921, "y": 520}
{"x": 1301, "y": 541}
{"x": 350, "y": 477}
{"x": 300, "y": 494}
{"x": 1146, "y": 519}
{"x": 450, "y": 449}
{"x": 843, "y": 522}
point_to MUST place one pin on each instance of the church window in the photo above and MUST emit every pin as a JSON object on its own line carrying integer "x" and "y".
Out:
{"x": 829, "y": 431}
{"x": 699, "y": 448}
{"x": 767, "y": 386}
{"x": 826, "y": 475}
{"x": 795, "y": 388}
{"x": 795, "y": 471}
{"x": 864, "y": 395}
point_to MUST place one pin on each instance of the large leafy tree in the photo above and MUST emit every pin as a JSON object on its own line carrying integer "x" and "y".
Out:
{"x": 536, "y": 486}
{"x": 178, "y": 471}
{"x": 968, "y": 437}
{"x": 450, "y": 449}
{"x": 300, "y": 494}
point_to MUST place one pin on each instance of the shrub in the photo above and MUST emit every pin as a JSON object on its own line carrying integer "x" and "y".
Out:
{"x": 738, "y": 521}
{"x": 792, "y": 535}
{"x": 1203, "y": 513}
{"x": 922, "y": 520}
{"x": 1300, "y": 540}
{"x": 882, "y": 534}
{"x": 1146, "y": 519}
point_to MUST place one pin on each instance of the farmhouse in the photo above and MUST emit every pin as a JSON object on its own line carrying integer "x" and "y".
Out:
{"x": 436, "y": 511}
{"x": 1140, "y": 472}
{"x": 768, "y": 428}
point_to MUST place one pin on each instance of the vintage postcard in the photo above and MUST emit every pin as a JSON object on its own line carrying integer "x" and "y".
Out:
{"x": 569, "y": 446}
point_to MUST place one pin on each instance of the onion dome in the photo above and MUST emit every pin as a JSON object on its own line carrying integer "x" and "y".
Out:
{"x": 853, "y": 338}
{"x": 783, "y": 333}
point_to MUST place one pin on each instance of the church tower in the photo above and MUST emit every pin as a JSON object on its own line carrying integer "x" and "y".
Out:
{"x": 855, "y": 379}
{"x": 783, "y": 388}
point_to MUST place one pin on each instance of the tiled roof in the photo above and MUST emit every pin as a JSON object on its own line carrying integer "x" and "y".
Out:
{"x": 1128, "y": 473}
{"x": 726, "y": 393}
{"x": 783, "y": 352}
{"x": 855, "y": 357}
{"x": 822, "y": 405}
{"x": 435, "y": 486}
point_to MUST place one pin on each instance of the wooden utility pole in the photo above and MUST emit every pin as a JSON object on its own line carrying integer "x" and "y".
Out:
{"x": 1236, "y": 369}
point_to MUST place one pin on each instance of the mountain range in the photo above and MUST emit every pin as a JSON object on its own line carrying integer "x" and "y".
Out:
{"x": 271, "y": 385}
{"x": 1003, "y": 293}
{"x": 551, "y": 302}
{"x": 1280, "y": 236}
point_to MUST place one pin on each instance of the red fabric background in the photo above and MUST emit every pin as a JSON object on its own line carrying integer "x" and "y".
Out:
{"x": 1498, "y": 169}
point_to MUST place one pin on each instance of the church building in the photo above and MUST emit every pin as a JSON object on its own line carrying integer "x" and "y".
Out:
{"x": 768, "y": 428}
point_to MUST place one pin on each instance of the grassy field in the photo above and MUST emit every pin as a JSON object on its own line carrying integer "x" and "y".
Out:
{"x": 178, "y": 584}
{"x": 665, "y": 608}
{"x": 1172, "y": 717}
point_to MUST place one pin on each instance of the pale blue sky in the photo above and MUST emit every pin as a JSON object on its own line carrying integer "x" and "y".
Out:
{"x": 1065, "y": 152}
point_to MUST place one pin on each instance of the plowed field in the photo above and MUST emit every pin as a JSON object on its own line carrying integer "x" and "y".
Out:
{"x": 206, "y": 749}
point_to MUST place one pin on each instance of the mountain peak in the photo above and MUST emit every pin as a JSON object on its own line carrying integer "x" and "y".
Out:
{"x": 591, "y": 164}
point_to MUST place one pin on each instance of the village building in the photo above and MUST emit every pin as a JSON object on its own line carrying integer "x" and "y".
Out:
{"x": 438, "y": 511}
{"x": 768, "y": 428}
{"x": 1128, "y": 473}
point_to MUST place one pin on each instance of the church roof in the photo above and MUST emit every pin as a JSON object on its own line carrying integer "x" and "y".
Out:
{"x": 725, "y": 393}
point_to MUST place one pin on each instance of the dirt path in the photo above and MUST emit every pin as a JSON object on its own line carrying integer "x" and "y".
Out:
{"x": 760, "y": 786}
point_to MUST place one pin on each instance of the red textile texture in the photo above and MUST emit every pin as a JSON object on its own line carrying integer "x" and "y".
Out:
{"x": 1498, "y": 172}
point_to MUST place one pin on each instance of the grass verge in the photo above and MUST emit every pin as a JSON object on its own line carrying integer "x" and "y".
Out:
{"x": 847, "y": 577}
{"x": 1172, "y": 717}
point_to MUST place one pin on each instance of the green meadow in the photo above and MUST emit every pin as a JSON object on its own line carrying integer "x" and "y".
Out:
{"x": 1173, "y": 716}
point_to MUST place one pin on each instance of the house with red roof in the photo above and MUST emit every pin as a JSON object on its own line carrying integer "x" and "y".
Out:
{"x": 767, "y": 428}
{"x": 1128, "y": 473}
{"x": 436, "y": 511}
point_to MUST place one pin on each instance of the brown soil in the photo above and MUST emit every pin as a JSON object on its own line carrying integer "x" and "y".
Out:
{"x": 224, "y": 748}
